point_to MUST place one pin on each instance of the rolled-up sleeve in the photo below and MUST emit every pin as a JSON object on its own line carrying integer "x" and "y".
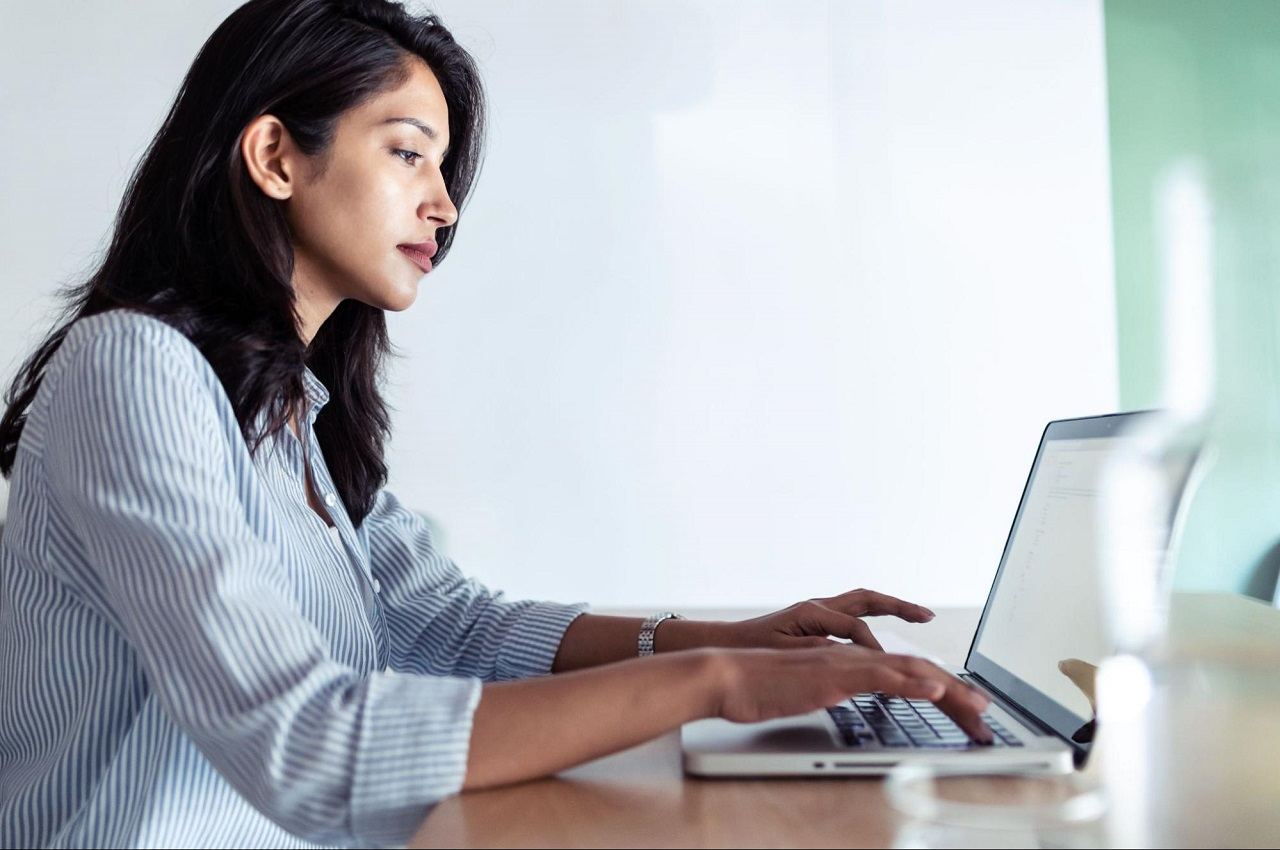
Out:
{"x": 442, "y": 623}
{"x": 137, "y": 453}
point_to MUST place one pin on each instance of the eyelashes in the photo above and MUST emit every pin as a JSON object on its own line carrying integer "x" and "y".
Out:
{"x": 400, "y": 153}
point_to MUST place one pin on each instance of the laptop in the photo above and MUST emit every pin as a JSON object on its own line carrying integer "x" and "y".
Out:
{"x": 1033, "y": 653}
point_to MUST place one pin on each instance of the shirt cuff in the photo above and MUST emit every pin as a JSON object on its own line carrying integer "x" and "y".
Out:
{"x": 530, "y": 646}
{"x": 414, "y": 739}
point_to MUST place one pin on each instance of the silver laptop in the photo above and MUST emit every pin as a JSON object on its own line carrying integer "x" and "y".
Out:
{"x": 1033, "y": 653}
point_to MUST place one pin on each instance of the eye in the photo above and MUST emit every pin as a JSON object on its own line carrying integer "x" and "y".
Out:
{"x": 402, "y": 154}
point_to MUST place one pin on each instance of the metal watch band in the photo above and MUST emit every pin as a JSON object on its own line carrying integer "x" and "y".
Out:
{"x": 649, "y": 626}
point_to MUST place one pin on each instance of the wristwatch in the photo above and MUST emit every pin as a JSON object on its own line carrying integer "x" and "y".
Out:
{"x": 649, "y": 626}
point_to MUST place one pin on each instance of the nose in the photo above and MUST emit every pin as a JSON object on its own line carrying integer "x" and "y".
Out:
{"x": 438, "y": 207}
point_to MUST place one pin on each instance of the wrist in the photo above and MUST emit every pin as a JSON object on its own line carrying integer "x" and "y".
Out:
{"x": 708, "y": 673}
{"x": 678, "y": 635}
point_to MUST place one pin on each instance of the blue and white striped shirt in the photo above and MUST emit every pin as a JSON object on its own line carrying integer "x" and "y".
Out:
{"x": 188, "y": 658}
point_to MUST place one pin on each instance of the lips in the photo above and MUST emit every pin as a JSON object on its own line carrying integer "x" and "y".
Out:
{"x": 420, "y": 253}
{"x": 428, "y": 247}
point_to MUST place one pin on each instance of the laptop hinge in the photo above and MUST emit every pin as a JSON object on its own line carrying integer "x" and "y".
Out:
{"x": 1010, "y": 706}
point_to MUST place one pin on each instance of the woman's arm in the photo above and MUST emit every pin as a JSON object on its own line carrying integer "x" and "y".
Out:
{"x": 535, "y": 727}
{"x": 595, "y": 639}
{"x": 442, "y": 623}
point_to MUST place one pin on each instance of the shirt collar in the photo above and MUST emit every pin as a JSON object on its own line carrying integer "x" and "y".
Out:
{"x": 317, "y": 393}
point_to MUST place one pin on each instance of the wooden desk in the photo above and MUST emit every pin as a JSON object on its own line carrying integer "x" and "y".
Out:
{"x": 640, "y": 797}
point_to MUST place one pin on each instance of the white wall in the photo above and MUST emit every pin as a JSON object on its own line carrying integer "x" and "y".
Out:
{"x": 753, "y": 303}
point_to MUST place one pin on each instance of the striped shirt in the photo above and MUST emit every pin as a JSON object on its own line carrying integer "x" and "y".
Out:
{"x": 190, "y": 656}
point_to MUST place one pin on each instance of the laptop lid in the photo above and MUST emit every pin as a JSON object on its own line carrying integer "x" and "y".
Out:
{"x": 1041, "y": 634}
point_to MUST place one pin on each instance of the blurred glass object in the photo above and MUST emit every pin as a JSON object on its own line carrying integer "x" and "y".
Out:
{"x": 1150, "y": 484}
{"x": 1223, "y": 362}
{"x": 1188, "y": 744}
{"x": 1189, "y": 704}
{"x": 949, "y": 806}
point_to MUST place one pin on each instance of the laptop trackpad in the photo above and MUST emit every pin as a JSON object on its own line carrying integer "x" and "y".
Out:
{"x": 793, "y": 738}
{"x": 807, "y": 733}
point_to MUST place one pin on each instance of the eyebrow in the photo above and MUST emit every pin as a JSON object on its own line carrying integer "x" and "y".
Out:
{"x": 427, "y": 129}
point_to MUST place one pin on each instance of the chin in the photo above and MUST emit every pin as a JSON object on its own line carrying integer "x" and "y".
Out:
{"x": 393, "y": 295}
{"x": 400, "y": 306}
{"x": 396, "y": 300}
{"x": 388, "y": 305}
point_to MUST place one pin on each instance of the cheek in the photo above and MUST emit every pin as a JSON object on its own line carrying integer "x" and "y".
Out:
{"x": 323, "y": 219}
{"x": 373, "y": 214}
{"x": 351, "y": 222}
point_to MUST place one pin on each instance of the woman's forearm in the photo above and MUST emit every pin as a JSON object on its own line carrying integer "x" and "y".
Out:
{"x": 595, "y": 639}
{"x": 535, "y": 727}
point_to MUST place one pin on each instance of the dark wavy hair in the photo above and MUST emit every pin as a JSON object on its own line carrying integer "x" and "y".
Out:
{"x": 198, "y": 246}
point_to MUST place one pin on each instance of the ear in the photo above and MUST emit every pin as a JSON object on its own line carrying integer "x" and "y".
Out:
{"x": 270, "y": 156}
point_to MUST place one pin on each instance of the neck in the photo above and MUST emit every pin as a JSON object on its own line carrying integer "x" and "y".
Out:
{"x": 313, "y": 303}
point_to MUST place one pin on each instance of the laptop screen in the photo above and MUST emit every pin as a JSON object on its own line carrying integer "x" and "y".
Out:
{"x": 1041, "y": 635}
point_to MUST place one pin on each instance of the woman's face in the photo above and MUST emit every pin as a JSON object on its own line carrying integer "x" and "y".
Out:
{"x": 377, "y": 187}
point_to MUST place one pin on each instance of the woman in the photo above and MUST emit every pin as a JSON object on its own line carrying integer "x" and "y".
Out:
{"x": 216, "y": 626}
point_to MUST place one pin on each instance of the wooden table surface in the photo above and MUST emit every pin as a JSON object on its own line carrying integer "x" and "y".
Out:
{"x": 1207, "y": 790}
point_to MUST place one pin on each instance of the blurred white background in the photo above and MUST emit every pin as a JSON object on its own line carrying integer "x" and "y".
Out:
{"x": 752, "y": 303}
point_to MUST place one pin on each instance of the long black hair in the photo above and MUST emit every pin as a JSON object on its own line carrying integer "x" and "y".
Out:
{"x": 198, "y": 246}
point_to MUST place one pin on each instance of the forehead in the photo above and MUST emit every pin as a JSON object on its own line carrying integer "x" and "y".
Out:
{"x": 419, "y": 97}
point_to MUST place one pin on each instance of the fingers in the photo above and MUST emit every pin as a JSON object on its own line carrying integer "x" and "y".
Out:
{"x": 961, "y": 702}
{"x": 961, "y": 707}
{"x": 886, "y": 680}
{"x": 918, "y": 689}
{"x": 838, "y": 624}
{"x": 868, "y": 603}
{"x": 861, "y": 635}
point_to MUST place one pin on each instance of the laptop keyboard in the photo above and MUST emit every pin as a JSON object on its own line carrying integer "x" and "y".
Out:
{"x": 870, "y": 719}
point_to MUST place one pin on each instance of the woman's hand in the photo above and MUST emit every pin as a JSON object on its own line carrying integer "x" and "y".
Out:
{"x": 594, "y": 639}
{"x": 761, "y": 684}
{"x": 808, "y": 623}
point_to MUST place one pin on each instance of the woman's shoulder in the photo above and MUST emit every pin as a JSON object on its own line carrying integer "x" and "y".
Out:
{"x": 125, "y": 347}
{"x": 128, "y": 334}
{"x": 125, "y": 323}
{"x": 128, "y": 374}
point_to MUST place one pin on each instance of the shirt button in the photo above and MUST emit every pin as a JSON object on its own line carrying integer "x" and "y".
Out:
{"x": 329, "y": 499}
{"x": 377, "y": 586}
